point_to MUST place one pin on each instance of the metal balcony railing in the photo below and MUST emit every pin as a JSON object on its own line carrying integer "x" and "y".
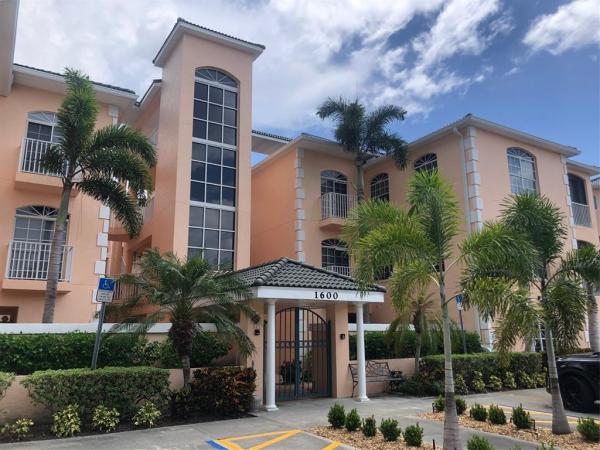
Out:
{"x": 337, "y": 205}
{"x": 581, "y": 214}
{"x": 32, "y": 151}
{"x": 124, "y": 291}
{"x": 341, "y": 270}
{"x": 31, "y": 260}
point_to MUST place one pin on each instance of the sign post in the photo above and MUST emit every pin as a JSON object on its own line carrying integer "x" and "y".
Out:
{"x": 459, "y": 307}
{"x": 104, "y": 295}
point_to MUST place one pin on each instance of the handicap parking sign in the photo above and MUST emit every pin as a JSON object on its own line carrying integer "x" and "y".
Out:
{"x": 106, "y": 287}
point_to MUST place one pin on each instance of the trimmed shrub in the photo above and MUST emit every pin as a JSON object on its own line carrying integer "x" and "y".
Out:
{"x": 439, "y": 404}
{"x": 352, "y": 422}
{"x": 521, "y": 418}
{"x": 478, "y": 412}
{"x": 589, "y": 429}
{"x": 105, "y": 419}
{"x": 18, "y": 430}
{"x": 121, "y": 387}
{"x": 496, "y": 415}
{"x": 479, "y": 443}
{"x": 147, "y": 415}
{"x": 224, "y": 391}
{"x": 420, "y": 386}
{"x": 477, "y": 383}
{"x": 494, "y": 383}
{"x": 66, "y": 422}
{"x": 539, "y": 379}
{"x": 460, "y": 387}
{"x": 27, "y": 353}
{"x": 369, "y": 427}
{"x": 390, "y": 430}
{"x": 413, "y": 435}
{"x": 525, "y": 381}
{"x": 336, "y": 415}
{"x": 182, "y": 403}
{"x": 509, "y": 381}
{"x": 461, "y": 406}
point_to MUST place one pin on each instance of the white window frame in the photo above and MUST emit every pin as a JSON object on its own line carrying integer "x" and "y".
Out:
{"x": 31, "y": 118}
{"x": 381, "y": 182}
{"x": 428, "y": 161}
{"x": 523, "y": 157}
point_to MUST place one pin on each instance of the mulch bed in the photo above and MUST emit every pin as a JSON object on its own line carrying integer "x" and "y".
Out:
{"x": 566, "y": 441}
{"x": 358, "y": 440}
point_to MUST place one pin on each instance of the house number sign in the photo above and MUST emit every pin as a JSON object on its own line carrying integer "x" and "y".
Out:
{"x": 326, "y": 295}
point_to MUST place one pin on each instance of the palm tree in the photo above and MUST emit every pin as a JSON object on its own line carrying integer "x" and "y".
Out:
{"x": 592, "y": 306}
{"x": 421, "y": 246}
{"x": 418, "y": 310}
{"x": 111, "y": 164}
{"x": 556, "y": 277}
{"x": 189, "y": 292}
{"x": 364, "y": 134}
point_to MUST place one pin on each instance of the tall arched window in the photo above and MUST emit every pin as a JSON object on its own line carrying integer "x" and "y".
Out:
{"x": 426, "y": 162}
{"x": 521, "y": 168}
{"x": 42, "y": 130}
{"x": 214, "y": 167}
{"x": 380, "y": 187}
{"x": 334, "y": 256}
{"x": 333, "y": 181}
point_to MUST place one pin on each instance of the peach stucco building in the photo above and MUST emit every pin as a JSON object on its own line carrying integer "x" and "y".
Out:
{"x": 283, "y": 215}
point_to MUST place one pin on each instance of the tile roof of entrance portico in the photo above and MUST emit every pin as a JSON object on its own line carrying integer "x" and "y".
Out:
{"x": 285, "y": 272}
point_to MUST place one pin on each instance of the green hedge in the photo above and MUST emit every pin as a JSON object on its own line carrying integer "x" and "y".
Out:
{"x": 376, "y": 346}
{"x": 223, "y": 391}
{"x": 27, "y": 353}
{"x": 6, "y": 379}
{"x": 115, "y": 387}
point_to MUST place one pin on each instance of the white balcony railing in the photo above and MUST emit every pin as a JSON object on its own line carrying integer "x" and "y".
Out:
{"x": 337, "y": 205}
{"x": 341, "y": 270}
{"x": 581, "y": 214}
{"x": 32, "y": 151}
{"x": 31, "y": 260}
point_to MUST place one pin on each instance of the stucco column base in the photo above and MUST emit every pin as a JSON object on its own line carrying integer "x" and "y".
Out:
{"x": 270, "y": 408}
{"x": 362, "y": 399}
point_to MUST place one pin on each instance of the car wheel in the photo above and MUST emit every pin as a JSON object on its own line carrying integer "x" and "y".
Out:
{"x": 577, "y": 395}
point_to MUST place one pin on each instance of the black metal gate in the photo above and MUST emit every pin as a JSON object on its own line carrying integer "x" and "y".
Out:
{"x": 302, "y": 354}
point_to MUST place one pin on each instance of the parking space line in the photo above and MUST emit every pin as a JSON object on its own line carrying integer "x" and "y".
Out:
{"x": 332, "y": 446}
{"x": 275, "y": 440}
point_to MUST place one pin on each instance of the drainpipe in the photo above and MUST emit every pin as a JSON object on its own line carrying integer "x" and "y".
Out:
{"x": 467, "y": 210}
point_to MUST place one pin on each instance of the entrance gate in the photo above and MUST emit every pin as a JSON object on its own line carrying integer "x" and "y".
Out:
{"x": 302, "y": 354}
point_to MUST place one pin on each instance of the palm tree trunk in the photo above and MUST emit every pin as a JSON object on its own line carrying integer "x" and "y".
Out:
{"x": 593, "y": 325}
{"x": 560, "y": 424}
{"x": 417, "y": 353}
{"x": 185, "y": 364}
{"x": 56, "y": 255}
{"x": 451, "y": 429}
{"x": 360, "y": 175}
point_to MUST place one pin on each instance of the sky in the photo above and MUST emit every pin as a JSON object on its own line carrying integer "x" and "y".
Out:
{"x": 533, "y": 65}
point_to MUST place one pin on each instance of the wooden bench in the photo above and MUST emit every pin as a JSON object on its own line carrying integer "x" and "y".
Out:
{"x": 376, "y": 372}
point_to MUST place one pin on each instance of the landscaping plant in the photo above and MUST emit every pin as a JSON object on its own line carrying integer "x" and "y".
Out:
{"x": 478, "y": 412}
{"x": 479, "y": 443}
{"x": 182, "y": 403}
{"x": 460, "y": 386}
{"x": 589, "y": 429}
{"x": 336, "y": 415}
{"x": 477, "y": 383}
{"x": 539, "y": 379}
{"x": 525, "y": 381}
{"x": 18, "y": 430}
{"x": 110, "y": 164}
{"x": 352, "y": 421}
{"x": 509, "y": 381}
{"x": 461, "y": 406}
{"x": 223, "y": 391}
{"x": 496, "y": 415}
{"x": 105, "y": 419}
{"x": 439, "y": 404}
{"x": 389, "y": 429}
{"x": 147, "y": 415}
{"x": 369, "y": 427}
{"x": 521, "y": 418}
{"x": 66, "y": 422}
{"x": 413, "y": 435}
{"x": 494, "y": 383}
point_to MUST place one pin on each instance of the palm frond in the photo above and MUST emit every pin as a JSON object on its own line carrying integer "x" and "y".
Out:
{"x": 408, "y": 280}
{"x": 124, "y": 138}
{"x": 581, "y": 263}
{"x": 565, "y": 307}
{"x": 54, "y": 159}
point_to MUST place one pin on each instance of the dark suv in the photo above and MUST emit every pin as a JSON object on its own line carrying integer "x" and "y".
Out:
{"x": 579, "y": 379}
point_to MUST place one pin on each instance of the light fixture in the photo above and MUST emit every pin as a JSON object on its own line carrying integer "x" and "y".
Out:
{"x": 342, "y": 336}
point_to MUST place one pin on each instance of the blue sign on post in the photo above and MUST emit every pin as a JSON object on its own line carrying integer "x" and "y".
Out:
{"x": 106, "y": 287}
{"x": 459, "y": 300}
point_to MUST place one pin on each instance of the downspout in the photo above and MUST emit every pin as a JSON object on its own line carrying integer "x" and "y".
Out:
{"x": 467, "y": 210}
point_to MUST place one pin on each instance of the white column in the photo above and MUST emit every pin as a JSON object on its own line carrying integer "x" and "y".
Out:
{"x": 360, "y": 354}
{"x": 270, "y": 359}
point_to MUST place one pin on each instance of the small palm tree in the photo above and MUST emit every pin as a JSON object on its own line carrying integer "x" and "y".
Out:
{"x": 188, "y": 293}
{"x": 592, "y": 306}
{"x": 111, "y": 164}
{"x": 555, "y": 276}
{"x": 421, "y": 246}
{"x": 421, "y": 312}
{"x": 364, "y": 134}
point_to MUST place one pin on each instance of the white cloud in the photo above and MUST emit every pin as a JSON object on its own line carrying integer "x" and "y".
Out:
{"x": 572, "y": 26}
{"x": 314, "y": 49}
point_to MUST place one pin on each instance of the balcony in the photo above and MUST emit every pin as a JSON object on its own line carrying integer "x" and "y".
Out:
{"x": 581, "y": 214}
{"x": 340, "y": 270}
{"x": 30, "y": 174}
{"x": 28, "y": 263}
{"x": 335, "y": 208}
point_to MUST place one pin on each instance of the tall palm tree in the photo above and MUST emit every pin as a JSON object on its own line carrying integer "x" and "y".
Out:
{"x": 111, "y": 164}
{"x": 418, "y": 310}
{"x": 421, "y": 246}
{"x": 189, "y": 292}
{"x": 364, "y": 134}
{"x": 556, "y": 277}
{"x": 592, "y": 307}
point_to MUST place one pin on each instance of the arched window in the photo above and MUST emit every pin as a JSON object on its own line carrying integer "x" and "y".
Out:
{"x": 41, "y": 126}
{"x": 380, "y": 187}
{"x": 333, "y": 181}
{"x": 334, "y": 256}
{"x": 34, "y": 223}
{"x": 577, "y": 189}
{"x": 521, "y": 168}
{"x": 426, "y": 162}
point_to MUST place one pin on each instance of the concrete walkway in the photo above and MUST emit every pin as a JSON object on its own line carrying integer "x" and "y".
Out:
{"x": 291, "y": 416}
